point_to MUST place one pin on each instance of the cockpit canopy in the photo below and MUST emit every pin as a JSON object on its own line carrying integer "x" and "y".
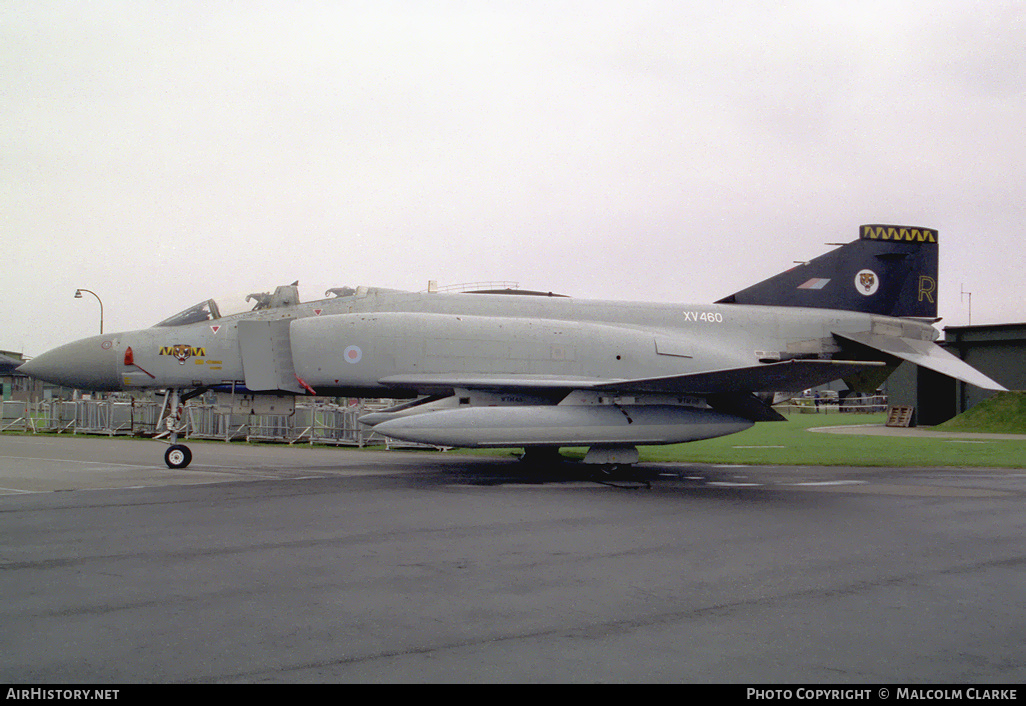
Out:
{"x": 211, "y": 309}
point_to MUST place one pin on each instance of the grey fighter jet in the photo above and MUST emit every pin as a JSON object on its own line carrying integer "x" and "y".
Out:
{"x": 539, "y": 371}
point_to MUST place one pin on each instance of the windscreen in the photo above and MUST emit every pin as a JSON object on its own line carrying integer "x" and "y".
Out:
{"x": 282, "y": 296}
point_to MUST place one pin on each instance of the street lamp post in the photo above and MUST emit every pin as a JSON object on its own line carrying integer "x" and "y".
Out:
{"x": 78, "y": 295}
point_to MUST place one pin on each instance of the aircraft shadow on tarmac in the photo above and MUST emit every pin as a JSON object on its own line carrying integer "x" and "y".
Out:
{"x": 681, "y": 478}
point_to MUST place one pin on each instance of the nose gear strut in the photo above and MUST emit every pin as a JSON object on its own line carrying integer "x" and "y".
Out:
{"x": 177, "y": 455}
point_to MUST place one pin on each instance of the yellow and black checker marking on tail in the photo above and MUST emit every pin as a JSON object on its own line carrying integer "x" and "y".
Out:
{"x": 900, "y": 234}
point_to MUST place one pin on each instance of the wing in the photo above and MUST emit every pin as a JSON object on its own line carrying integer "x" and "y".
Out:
{"x": 787, "y": 375}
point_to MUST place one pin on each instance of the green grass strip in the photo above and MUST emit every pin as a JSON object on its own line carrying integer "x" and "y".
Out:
{"x": 791, "y": 443}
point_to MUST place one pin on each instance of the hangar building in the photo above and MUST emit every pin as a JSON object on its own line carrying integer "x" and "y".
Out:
{"x": 996, "y": 350}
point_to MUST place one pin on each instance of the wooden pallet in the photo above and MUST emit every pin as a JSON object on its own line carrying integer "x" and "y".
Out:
{"x": 900, "y": 416}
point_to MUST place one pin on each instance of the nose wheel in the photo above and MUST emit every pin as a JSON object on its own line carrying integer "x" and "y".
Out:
{"x": 177, "y": 456}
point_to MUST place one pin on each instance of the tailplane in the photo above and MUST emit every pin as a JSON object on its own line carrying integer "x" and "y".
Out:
{"x": 889, "y": 270}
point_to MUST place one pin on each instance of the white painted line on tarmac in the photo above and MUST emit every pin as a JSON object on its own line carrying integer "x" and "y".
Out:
{"x": 69, "y": 460}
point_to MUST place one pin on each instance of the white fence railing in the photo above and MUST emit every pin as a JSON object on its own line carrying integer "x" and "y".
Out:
{"x": 853, "y": 404}
{"x": 109, "y": 417}
{"x": 312, "y": 422}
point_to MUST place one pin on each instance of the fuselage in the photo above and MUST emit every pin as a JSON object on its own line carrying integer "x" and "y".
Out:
{"x": 348, "y": 345}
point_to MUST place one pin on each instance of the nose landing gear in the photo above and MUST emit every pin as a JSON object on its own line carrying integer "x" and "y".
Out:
{"x": 177, "y": 455}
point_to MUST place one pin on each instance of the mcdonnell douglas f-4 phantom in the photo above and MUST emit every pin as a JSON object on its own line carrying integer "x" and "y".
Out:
{"x": 497, "y": 369}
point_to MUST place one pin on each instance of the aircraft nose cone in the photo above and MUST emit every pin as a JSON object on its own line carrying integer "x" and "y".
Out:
{"x": 89, "y": 364}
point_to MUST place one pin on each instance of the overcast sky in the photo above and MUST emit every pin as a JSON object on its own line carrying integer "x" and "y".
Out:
{"x": 159, "y": 153}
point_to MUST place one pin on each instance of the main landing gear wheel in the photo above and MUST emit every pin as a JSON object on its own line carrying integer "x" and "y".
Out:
{"x": 177, "y": 456}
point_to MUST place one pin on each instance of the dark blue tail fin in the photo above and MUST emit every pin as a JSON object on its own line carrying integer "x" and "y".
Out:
{"x": 889, "y": 270}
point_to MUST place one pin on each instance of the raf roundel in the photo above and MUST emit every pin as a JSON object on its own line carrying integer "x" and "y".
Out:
{"x": 352, "y": 354}
{"x": 867, "y": 282}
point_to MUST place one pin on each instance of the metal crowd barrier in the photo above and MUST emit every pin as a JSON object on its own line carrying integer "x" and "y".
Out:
{"x": 312, "y": 423}
{"x": 110, "y": 417}
{"x": 866, "y": 404}
{"x": 14, "y": 416}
